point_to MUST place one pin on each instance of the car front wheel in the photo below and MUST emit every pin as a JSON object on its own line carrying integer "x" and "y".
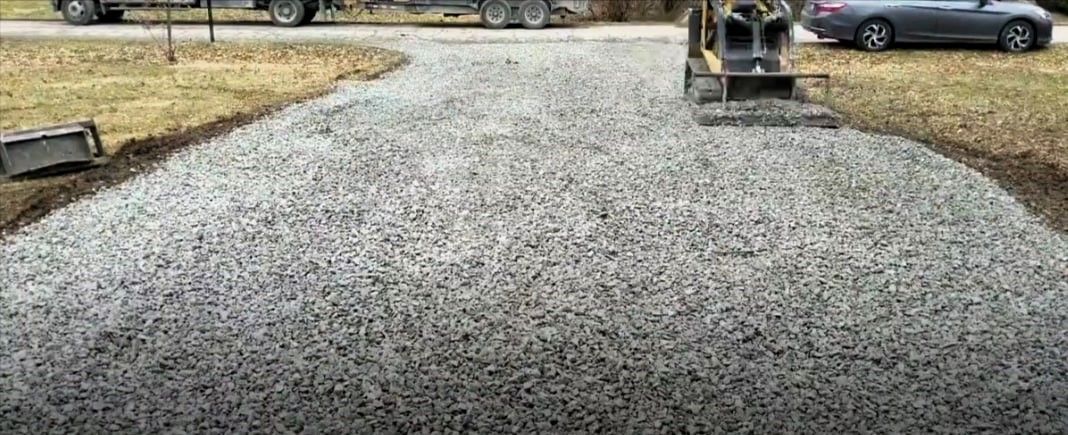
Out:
{"x": 874, "y": 35}
{"x": 1017, "y": 36}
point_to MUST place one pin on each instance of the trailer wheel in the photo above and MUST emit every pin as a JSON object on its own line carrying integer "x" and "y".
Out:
{"x": 112, "y": 16}
{"x": 79, "y": 12}
{"x": 495, "y": 14}
{"x": 534, "y": 14}
{"x": 286, "y": 13}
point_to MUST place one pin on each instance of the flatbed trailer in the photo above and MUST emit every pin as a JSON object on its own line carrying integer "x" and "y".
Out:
{"x": 494, "y": 14}
{"x": 286, "y": 13}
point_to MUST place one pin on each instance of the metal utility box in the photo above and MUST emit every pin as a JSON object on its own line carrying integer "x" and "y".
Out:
{"x": 51, "y": 149}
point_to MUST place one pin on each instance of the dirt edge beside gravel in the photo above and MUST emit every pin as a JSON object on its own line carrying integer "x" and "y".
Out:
{"x": 1039, "y": 186}
{"x": 142, "y": 155}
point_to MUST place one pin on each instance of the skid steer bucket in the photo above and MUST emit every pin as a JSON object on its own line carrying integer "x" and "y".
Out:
{"x": 741, "y": 51}
{"x": 50, "y": 150}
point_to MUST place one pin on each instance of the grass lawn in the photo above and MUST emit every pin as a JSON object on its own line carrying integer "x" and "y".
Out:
{"x": 135, "y": 96}
{"x": 1004, "y": 114}
{"x": 42, "y": 10}
{"x": 27, "y": 9}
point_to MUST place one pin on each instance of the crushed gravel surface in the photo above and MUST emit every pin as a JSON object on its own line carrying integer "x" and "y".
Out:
{"x": 536, "y": 238}
{"x": 765, "y": 113}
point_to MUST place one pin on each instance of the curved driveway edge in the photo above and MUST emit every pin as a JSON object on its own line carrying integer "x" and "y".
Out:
{"x": 536, "y": 237}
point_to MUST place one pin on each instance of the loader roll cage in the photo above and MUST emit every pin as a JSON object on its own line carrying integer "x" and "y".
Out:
{"x": 742, "y": 50}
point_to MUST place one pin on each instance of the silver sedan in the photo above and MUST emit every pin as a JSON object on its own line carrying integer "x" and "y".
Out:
{"x": 874, "y": 25}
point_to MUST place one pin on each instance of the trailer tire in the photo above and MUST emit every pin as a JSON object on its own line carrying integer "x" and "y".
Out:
{"x": 286, "y": 13}
{"x": 79, "y": 12}
{"x": 534, "y": 14}
{"x": 112, "y": 16}
{"x": 495, "y": 14}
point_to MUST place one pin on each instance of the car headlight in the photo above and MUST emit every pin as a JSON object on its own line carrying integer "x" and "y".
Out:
{"x": 1048, "y": 16}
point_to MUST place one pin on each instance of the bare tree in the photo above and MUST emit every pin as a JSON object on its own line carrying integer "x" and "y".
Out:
{"x": 166, "y": 43}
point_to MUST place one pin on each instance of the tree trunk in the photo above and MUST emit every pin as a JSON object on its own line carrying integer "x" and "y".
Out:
{"x": 170, "y": 39}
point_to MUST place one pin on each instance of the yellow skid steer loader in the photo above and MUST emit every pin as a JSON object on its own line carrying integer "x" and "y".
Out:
{"x": 742, "y": 50}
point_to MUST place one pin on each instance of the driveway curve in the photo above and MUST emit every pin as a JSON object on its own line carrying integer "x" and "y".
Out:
{"x": 536, "y": 237}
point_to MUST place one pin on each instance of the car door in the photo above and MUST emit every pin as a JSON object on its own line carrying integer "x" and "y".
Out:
{"x": 971, "y": 20}
{"x": 913, "y": 20}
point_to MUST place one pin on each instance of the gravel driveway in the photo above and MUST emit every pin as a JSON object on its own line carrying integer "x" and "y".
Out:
{"x": 536, "y": 237}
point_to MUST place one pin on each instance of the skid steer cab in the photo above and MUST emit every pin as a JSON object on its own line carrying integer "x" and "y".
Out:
{"x": 741, "y": 50}
{"x": 286, "y": 13}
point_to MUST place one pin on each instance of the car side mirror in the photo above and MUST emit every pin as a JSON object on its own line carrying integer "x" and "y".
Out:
{"x": 983, "y": 3}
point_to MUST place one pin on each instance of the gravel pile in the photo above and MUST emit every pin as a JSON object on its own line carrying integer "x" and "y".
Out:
{"x": 536, "y": 237}
{"x": 765, "y": 113}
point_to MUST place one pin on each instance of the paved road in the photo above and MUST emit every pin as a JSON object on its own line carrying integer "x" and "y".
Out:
{"x": 536, "y": 237}
{"x": 369, "y": 32}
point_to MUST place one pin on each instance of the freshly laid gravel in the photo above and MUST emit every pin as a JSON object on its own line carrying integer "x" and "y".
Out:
{"x": 765, "y": 113}
{"x": 536, "y": 237}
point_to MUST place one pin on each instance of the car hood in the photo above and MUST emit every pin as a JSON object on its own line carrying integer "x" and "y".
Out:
{"x": 1022, "y": 7}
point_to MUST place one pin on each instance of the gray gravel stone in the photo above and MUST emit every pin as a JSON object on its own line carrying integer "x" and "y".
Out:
{"x": 765, "y": 113}
{"x": 536, "y": 237}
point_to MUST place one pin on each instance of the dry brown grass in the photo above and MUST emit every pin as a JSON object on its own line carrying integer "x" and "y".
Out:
{"x": 26, "y": 9}
{"x": 985, "y": 101}
{"x": 1006, "y": 114}
{"x": 132, "y": 93}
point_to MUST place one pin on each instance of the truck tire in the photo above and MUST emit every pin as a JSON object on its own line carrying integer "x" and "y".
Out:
{"x": 495, "y": 14}
{"x": 112, "y": 16}
{"x": 286, "y": 13}
{"x": 79, "y": 12}
{"x": 534, "y": 14}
